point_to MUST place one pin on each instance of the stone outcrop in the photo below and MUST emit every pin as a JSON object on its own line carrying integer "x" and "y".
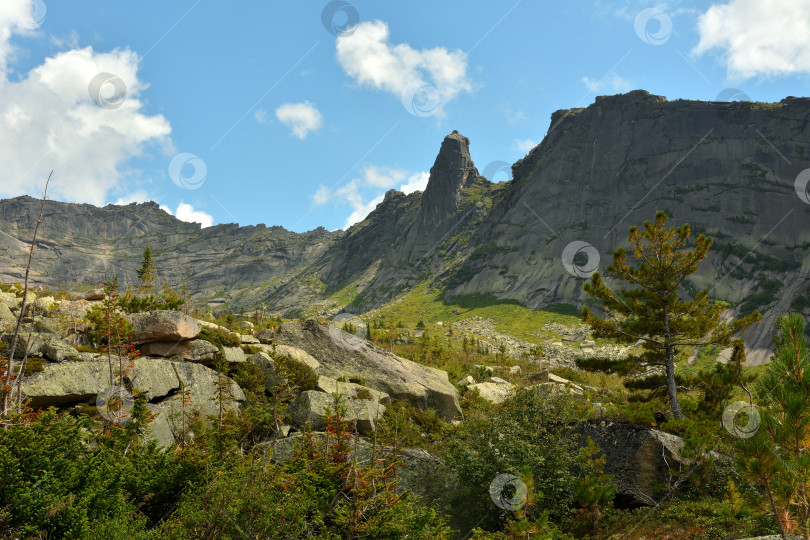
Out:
{"x": 43, "y": 344}
{"x": 638, "y": 457}
{"x": 352, "y": 390}
{"x": 161, "y": 380}
{"x": 162, "y": 325}
{"x": 266, "y": 336}
{"x": 311, "y": 406}
{"x": 494, "y": 392}
{"x": 341, "y": 355}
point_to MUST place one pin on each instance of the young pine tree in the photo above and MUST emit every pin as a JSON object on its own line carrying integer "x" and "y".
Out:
{"x": 652, "y": 310}
{"x": 146, "y": 274}
{"x": 777, "y": 456}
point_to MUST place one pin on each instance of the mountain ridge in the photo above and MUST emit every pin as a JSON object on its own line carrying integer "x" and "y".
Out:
{"x": 726, "y": 168}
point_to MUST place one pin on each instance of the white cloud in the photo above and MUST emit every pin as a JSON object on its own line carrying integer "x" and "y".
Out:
{"x": 16, "y": 17}
{"x": 416, "y": 182}
{"x": 301, "y": 118}
{"x": 260, "y": 115}
{"x": 383, "y": 177}
{"x": 361, "y": 211}
{"x": 49, "y": 122}
{"x": 186, "y": 212}
{"x": 515, "y": 117}
{"x": 525, "y": 145}
{"x": 322, "y": 196}
{"x": 372, "y": 178}
{"x": 367, "y": 56}
{"x": 758, "y": 38}
{"x": 139, "y": 196}
{"x": 611, "y": 83}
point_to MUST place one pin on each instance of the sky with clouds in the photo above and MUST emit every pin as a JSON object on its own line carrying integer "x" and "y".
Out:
{"x": 303, "y": 114}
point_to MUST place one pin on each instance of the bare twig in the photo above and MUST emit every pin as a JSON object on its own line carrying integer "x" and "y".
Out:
{"x": 6, "y": 390}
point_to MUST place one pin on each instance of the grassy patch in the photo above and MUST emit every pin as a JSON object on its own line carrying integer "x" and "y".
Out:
{"x": 511, "y": 318}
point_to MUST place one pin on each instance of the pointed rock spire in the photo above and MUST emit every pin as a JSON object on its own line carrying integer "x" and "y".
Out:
{"x": 452, "y": 171}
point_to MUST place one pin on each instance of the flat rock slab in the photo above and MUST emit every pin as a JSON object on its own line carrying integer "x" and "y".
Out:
{"x": 351, "y": 390}
{"x": 343, "y": 355}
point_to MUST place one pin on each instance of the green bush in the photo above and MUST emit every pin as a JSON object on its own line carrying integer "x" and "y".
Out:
{"x": 57, "y": 483}
{"x": 298, "y": 373}
{"x": 219, "y": 337}
{"x": 522, "y": 437}
{"x": 168, "y": 299}
{"x": 34, "y": 364}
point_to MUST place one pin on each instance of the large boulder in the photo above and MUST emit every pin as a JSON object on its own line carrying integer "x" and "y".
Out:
{"x": 296, "y": 354}
{"x": 58, "y": 350}
{"x": 311, "y": 407}
{"x": 9, "y": 299}
{"x": 201, "y": 351}
{"x": 73, "y": 309}
{"x": 494, "y": 392}
{"x": 161, "y": 381}
{"x": 246, "y": 325}
{"x": 201, "y": 384}
{"x": 247, "y": 339}
{"x": 162, "y": 325}
{"x": 6, "y": 316}
{"x": 42, "y": 344}
{"x": 342, "y": 355}
{"x": 94, "y": 295}
{"x": 638, "y": 457}
{"x": 44, "y": 303}
{"x": 266, "y": 336}
{"x": 268, "y": 368}
{"x": 233, "y": 355}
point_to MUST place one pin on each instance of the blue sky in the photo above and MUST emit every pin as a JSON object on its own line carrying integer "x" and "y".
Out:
{"x": 302, "y": 114}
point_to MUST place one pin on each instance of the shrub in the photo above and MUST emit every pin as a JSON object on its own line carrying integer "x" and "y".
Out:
{"x": 523, "y": 437}
{"x": 34, "y": 364}
{"x": 299, "y": 374}
{"x": 219, "y": 337}
{"x": 251, "y": 349}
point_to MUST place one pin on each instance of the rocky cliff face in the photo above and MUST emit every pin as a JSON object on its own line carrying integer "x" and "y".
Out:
{"x": 85, "y": 245}
{"x": 728, "y": 169}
